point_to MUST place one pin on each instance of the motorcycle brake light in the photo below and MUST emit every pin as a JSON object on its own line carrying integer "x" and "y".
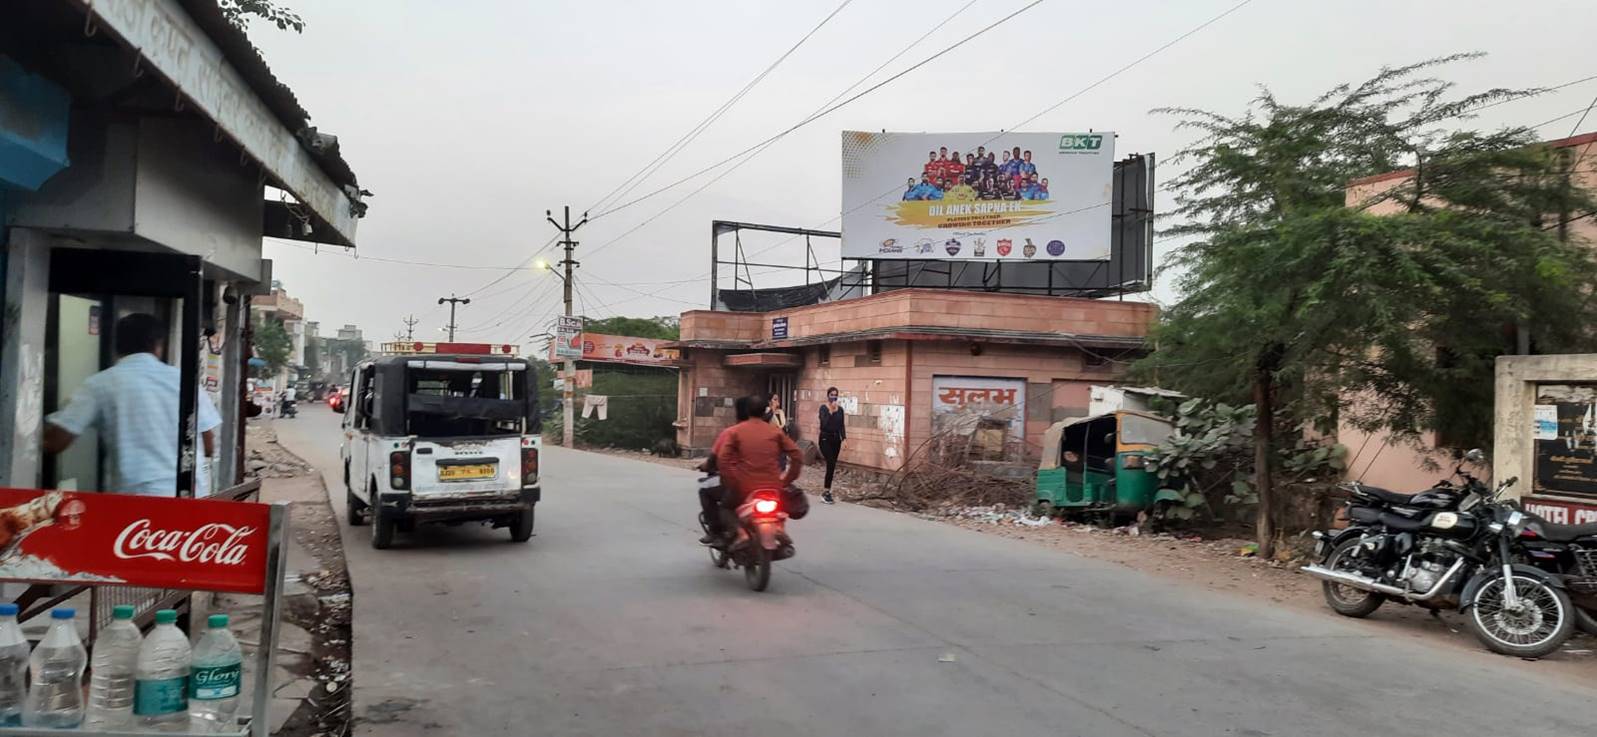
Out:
{"x": 765, "y": 506}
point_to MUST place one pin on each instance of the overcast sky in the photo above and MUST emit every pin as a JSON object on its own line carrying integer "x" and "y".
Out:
{"x": 469, "y": 119}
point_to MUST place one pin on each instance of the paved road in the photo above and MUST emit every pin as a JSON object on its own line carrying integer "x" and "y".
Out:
{"x": 612, "y": 622}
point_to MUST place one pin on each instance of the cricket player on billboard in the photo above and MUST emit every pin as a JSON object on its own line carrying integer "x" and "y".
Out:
{"x": 977, "y": 196}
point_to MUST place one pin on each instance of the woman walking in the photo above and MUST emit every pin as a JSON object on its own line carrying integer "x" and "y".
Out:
{"x": 831, "y": 439}
{"x": 775, "y": 416}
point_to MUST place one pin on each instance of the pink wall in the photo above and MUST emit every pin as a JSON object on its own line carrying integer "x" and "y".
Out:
{"x": 1397, "y": 465}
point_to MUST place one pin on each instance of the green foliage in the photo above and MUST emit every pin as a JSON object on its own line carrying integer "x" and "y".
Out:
{"x": 272, "y": 344}
{"x": 643, "y": 406}
{"x": 1208, "y": 455}
{"x": 1209, "y": 460}
{"x": 1404, "y": 310}
{"x": 239, "y": 13}
{"x": 658, "y": 328}
{"x": 1386, "y": 312}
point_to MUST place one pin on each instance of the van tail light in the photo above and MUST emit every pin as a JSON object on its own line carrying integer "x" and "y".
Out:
{"x": 529, "y": 465}
{"x": 399, "y": 469}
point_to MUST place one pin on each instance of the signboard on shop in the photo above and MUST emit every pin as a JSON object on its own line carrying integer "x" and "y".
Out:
{"x": 155, "y": 542}
{"x": 1560, "y": 511}
{"x": 978, "y": 196}
{"x": 778, "y": 328}
{"x": 962, "y": 404}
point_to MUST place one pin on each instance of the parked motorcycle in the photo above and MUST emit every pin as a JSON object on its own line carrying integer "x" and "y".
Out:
{"x": 1570, "y": 551}
{"x": 1461, "y": 558}
{"x": 757, "y": 539}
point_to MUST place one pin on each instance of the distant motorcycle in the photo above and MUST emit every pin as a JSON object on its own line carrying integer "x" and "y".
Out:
{"x": 1461, "y": 555}
{"x": 758, "y": 537}
{"x": 288, "y": 408}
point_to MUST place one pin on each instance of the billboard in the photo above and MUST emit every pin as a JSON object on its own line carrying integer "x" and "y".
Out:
{"x": 622, "y": 349}
{"x": 978, "y": 196}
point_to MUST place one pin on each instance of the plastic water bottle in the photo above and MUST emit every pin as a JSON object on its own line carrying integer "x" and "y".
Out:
{"x": 116, "y": 658}
{"x": 13, "y": 667}
{"x": 215, "y": 678}
{"x": 160, "y": 683}
{"x": 55, "y": 698}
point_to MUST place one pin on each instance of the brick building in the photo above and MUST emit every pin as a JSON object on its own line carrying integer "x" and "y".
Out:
{"x": 909, "y": 363}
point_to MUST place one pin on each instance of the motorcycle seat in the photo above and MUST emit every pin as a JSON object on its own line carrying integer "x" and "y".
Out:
{"x": 1389, "y": 497}
{"x": 1557, "y": 533}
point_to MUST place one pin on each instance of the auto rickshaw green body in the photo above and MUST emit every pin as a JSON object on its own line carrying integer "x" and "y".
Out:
{"x": 1096, "y": 465}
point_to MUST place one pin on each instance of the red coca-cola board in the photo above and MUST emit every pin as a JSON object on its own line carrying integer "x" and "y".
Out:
{"x": 155, "y": 542}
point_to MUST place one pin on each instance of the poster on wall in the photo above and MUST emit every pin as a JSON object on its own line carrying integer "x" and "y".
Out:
{"x": 967, "y": 404}
{"x": 978, "y": 196}
{"x": 1566, "y": 457}
{"x": 568, "y": 337}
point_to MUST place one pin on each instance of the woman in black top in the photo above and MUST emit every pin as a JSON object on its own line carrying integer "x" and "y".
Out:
{"x": 831, "y": 437}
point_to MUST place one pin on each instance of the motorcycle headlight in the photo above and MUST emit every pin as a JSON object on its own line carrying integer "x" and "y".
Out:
{"x": 1516, "y": 522}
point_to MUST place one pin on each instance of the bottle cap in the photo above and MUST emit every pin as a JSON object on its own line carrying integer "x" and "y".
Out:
{"x": 8, "y": 610}
{"x": 166, "y": 616}
{"x": 65, "y": 612}
{"x": 122, "y": 611}
{"x": 217, "y": 621}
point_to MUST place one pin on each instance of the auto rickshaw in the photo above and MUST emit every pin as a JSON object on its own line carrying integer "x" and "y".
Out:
{"x": 1093, "y": 468}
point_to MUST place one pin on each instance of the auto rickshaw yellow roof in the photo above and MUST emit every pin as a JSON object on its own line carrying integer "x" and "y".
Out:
{"x": 1056, "y": 432}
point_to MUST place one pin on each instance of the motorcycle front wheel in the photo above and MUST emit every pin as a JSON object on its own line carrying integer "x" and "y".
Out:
{"x": 757, "y": 572}
{"x": 1535, "y": 626}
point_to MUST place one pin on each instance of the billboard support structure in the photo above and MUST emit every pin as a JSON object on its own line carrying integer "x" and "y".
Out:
{"x": 812, "y": 263}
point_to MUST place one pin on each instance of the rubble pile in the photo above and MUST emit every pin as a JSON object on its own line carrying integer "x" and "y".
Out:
{"x": 265, "y": 459}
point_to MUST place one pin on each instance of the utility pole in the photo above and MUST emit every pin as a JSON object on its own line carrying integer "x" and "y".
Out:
{"x": 410, "y": 326}
{"x": 453, "y": 300}
{"x": 567, "y": 387}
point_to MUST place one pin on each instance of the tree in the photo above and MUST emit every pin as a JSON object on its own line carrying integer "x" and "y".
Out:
{"x": 272, "y": 343}
{"x": 239, "y": 12}
{"x": 657, "y": 328}
{"x": 1320, "y": 312}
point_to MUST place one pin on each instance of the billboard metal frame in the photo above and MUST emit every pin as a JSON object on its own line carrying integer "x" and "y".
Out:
{"x": 1129, "y": 268}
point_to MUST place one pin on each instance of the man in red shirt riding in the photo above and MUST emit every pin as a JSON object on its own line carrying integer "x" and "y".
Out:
{"x": 747, "y": 457}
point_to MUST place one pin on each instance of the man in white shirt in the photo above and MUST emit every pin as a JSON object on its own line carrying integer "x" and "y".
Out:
{"x": 134, "y": 406}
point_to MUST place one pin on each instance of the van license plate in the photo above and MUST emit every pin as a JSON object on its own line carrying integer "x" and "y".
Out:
{"x": 466, "y": 472}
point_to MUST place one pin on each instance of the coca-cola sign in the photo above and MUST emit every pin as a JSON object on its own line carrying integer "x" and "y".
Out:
{"x": 135, "y": 540}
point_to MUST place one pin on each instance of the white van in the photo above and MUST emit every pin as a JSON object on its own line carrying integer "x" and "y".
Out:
{"x": 441, "y": 438}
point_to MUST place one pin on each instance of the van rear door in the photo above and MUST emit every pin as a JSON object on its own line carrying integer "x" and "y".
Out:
{"x": 486, "y": 466}
{"x": 466, "y": 418}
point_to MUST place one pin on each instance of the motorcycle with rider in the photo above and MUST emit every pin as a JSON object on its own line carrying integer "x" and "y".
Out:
{"x": 747, "y": 494}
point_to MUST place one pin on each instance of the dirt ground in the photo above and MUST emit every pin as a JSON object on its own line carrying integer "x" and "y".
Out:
{"x": 1213, "y": 564}
{"x": 324, "y": 605}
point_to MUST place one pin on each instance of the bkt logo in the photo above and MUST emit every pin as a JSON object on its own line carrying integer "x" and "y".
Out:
{"x": 1071, "y": 142}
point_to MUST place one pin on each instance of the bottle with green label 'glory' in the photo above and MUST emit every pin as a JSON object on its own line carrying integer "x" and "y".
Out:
{"x": 215, "y": 678}
{"x": 160, "y": 683}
